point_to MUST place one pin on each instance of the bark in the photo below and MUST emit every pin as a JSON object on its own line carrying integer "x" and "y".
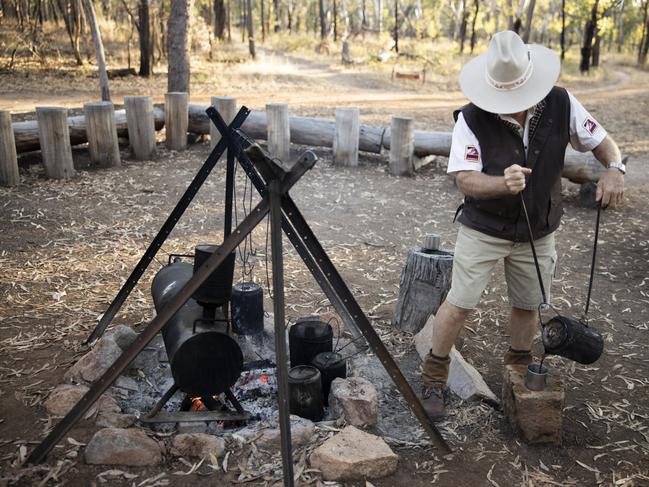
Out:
{"x": 335, "y": 19}
{"x": 563, "y": 29}
{"x": 396, "y": 26}
{"x": 99, "y": 49}
{"x": 278, "y": 16}
{"x": 251, "y": 34}
{"x": 263, "y": 21}
{"x": 589, "y": 33}
{"x": 463, "y": 23}
{"x": 620, "y": 27}
{"x": 643, "y": 47}
{"x": 145, "y": 38}
{"x": 528, "y": 21}
{"x": 219, "y": 19}
{"x": 323, "y": 23}
{"x": 475, "y": 18}
{"x": 178, "y": 45}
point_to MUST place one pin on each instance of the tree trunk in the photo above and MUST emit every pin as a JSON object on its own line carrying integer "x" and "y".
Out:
{"x": 463, "y": 23}
{"x": 644, "y": 40}
{"x": 563, "y": 29}
{"x": 145, "y": 38}
{"x": 475, "y": 18}
{"x": 396, "y": 26}
{"x": 178, "y": 45}
{"x": 335, "y": 20}
{"x": 219, "y": 19}
{"x": 323, "y": 23}
{"x": 278, "y": 17}
{"x": 263, "y": 21}
{"x": 589, "y": 33}
{"x": 596, "y": 49}
{"x": 620, "y": 27}
{"x": 528, "y": 21}
{"x": 251, "y": 34}
{"x": 99, "y": 50}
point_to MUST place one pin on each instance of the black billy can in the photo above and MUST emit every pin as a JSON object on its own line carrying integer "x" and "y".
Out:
{"x": 331, "y": 365}
{"x": 247, "y": 308}
{"x": 572, "y": 339}
{"x": 307, "y": 338}
{"x": 305, "y": 392}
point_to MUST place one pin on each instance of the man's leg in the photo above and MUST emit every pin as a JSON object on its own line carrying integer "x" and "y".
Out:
{"x": 523, "y": 325}
{"x": 525, "y": 294}
{"x": 474, "y": 258}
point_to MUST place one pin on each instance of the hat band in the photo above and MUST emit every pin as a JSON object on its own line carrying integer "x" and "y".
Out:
{"x": 510, "y": 85}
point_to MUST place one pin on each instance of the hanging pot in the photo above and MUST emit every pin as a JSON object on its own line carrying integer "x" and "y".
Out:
{"x": 307, "y": 338}
{"x": 572, "y": 339}
{"x": 247, "y": 308}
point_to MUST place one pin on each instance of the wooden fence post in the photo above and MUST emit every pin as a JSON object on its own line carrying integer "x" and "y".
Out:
{"x": 346, "y": 137}
{"x": 402, "y": 146}
{"x": 54, "y": 137}
{"x": 227, "y": 108}
{"x": 176, "y": 120}
{"x": 141, "y": 126}
{"x": 102, "y": 133}
{"x": 278, "y": 130}
{"x": 8, "y": 159}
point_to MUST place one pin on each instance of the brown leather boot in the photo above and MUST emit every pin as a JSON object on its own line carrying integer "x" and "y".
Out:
{"x": 518, "y": 357}
{"x": 433, "y": 394}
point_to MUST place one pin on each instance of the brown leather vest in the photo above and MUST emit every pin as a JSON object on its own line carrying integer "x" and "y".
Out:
{"x": 500, "y": 147}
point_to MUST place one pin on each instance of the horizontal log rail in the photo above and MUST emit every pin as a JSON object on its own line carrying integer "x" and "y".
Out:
{"x": 315, "y": 132}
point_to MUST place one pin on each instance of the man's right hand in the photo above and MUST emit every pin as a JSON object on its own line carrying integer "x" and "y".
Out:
{"x": 515, "y": 178}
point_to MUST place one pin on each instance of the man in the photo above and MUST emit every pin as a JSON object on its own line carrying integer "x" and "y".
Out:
{"x": 511, "y": 139}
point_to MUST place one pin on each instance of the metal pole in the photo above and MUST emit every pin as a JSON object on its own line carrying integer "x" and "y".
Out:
{"x": 280, "y": 330}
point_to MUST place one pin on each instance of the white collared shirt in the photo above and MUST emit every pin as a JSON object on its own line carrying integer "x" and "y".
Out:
{"x": 585, "y": 134}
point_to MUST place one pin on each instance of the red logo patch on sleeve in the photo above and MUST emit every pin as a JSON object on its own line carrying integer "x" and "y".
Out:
{"x": 590, "y": 125}
{"x": 471, "y": 153}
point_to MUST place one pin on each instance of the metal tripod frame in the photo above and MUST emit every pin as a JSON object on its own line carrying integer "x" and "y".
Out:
{"x": 284, "y": 215}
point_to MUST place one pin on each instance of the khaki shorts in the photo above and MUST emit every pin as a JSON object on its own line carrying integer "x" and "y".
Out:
{"x": 476, "y": 255}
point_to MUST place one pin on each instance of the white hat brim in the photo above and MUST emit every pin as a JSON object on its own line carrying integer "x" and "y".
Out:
{"x": 545, "y": 72}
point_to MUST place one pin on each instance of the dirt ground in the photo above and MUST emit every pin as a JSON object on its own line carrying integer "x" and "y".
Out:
{"x": 66, "y": 248}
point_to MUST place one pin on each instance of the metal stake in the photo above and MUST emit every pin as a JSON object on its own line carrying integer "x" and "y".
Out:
{"x": 280, "y": 330}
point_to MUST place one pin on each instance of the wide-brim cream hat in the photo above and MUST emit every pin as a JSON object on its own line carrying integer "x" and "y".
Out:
{"x": 511, "y": 76}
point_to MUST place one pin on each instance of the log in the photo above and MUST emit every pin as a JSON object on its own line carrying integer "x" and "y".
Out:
{"x": 176, "y": 120}
{"x": 141, "y": 126}
{"x": 278, "y": 130}
{"x": 345, "y": 145}
{"x": 9, "y": 175}
{"x": 102, "y": 134}
{"x": 55, "y": 142}
{"x": 425, "y": 281}
{"x": 401, "y": 150}
{"x": 227, "y": 108}
{"x": 26, "y": 133}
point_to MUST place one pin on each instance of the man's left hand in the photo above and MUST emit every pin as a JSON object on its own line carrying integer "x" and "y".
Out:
{"x": 610, "y": 189}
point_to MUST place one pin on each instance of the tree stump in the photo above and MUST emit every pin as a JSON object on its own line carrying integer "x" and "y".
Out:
{"x": 102, "y": 133}
{"x": 8, "y": 159}
{"x": 227, "y": 108}
{"x": 402, "y": 145}
{"x": 346, "y": 137}
{"x": 141, "y": 126}
{"x": 425, "y": 281}
{"x": 54, "y": 137}
{"x": 176, "y": 120}
{"x": 279, "y": 132}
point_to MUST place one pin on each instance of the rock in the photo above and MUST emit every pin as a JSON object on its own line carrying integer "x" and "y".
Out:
{"x": 353, "y": 454}
{"x": 463, "y": 379}
{"x": 65, "y": 396}
{"x": 536, "y": 416}
{"x": 118, "y": 446}
{"x": 123, "y": 335}
{"x": 97, "y": 361}
{"x": 147, "y": 359}
{"x": 302, "y": 431}
{"x": 354, "y": 399}
{"x": 199, "y": 445}
{"x": 115, "y": 420}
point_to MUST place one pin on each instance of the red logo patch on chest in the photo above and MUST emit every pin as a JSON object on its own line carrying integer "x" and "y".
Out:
{"x": 471, "y": 153}
{"x": 590, "y": 125}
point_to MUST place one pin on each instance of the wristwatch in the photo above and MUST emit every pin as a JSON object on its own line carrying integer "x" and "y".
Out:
{"x": 620, "y": 166}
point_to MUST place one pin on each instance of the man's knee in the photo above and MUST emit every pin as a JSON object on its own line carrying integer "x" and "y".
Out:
{"x": 448, "y": 312}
